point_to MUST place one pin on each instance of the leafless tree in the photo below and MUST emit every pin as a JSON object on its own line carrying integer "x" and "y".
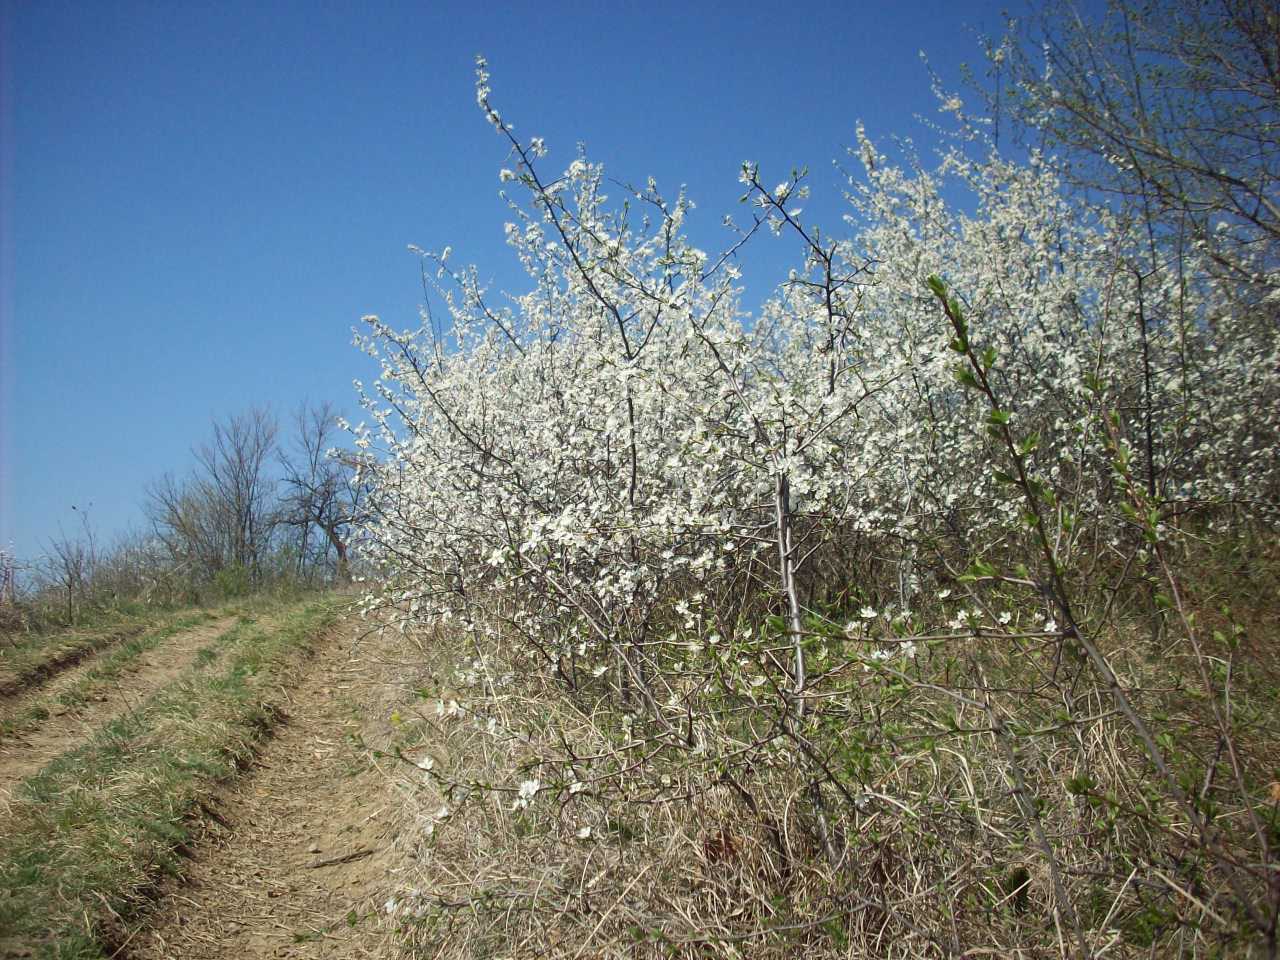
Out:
{"x": 224, "y": 514}
{"x": 8, "y": 577}
{"x": 1171, "y": 109}
{"x": 136, "y": 566}
{"x": 322, "y": 490}
{"x": 184, "y": 521}
{"x": 234, "y": 466}
{"x": 70, "y": 563}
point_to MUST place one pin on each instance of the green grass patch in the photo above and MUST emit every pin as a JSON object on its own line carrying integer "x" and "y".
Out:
{"x": 101, "y": 675}
{"x": 25, "y": 659}
{"x": 92, "y": 833}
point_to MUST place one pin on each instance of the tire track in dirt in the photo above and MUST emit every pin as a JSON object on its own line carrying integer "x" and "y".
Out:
{"x": 21, "y": 682}
{"x": 305, "y": 838}
{"x": 24, "y": 753}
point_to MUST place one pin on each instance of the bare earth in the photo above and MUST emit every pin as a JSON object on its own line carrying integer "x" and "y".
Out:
{"x": 25, "y": 753}
{"x": 14, "y": 682}
{"x": 297, "y": 855}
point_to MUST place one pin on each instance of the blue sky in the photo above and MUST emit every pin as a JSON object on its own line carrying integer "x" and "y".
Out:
{"x": 199, "y": 200}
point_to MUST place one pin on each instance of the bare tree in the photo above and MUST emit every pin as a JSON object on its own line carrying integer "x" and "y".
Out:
{"x": 322, "y": 489}
{"x": 70, "y": 563}
{"x": 8, "y": 576}
{"x": 137, "y": 566}
{"x": 1171, "y": 108}
{"x": 234, "y": 466}
{"x": 185, "y": 522}
{"x": 224, "y": 514}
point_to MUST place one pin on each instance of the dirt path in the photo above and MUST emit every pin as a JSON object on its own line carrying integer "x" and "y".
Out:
{"x": 15, "y": 682}
{"x": 302, "y": 843}
{"x": 26, "y": 752}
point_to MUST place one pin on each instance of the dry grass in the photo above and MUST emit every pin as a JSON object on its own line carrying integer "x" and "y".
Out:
{"x": 27, "y": 659}
{"x": 88, "y": 836}
{"x": 982, "y": 798}
{"x": 74, "y": 688}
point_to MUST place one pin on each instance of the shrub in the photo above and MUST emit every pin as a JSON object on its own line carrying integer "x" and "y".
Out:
{"x": 872, "y": 616}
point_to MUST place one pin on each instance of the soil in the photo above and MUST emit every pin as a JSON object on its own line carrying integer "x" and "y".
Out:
{"x": 12, "y": 682}
{"x": 67, "y": 727}
{"x": 297, "y": 854}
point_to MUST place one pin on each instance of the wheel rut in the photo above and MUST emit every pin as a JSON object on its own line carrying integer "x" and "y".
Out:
{"x": 67, "y": 726}
{"x": 14, "y": 683}
{"x": 297, "y": 853}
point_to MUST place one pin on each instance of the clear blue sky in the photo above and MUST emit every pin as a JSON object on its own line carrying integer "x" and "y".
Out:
{"x": 199, "y": 200}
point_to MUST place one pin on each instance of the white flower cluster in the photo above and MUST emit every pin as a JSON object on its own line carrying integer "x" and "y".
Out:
{"x": 599, "y": 462}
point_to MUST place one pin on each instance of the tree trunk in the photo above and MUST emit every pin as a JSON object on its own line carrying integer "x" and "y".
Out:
{"x": 787, "y": 574}
{"x": 342, "y": 573}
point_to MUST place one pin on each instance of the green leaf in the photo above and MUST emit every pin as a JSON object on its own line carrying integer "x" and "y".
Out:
{"x": 965, "y": 376}
{"x": 983, "y": 569}
{"x": 988, "y": 358}
{"x": 937, "y": 286}
{"x": 1080, "y": 784}
{"x": 998, "y": 418}
{"x": 1028, "y": 444}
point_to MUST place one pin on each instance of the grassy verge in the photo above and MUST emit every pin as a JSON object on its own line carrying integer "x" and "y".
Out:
{"x": 555, "y": 823}
{"x": 120, "y": 661}
{"x": 90, "y": 834}
{"x": 27, "y": 659}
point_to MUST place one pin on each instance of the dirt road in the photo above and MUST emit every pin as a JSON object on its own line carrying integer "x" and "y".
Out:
{"x": 67, "y": 726}
{"x": 297, "y": 855}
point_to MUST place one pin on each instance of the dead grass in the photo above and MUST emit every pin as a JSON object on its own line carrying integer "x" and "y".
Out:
{"x": 891, "y": 823}
{"x": 299, "y": 863}
{"x": 90, "y": 834}
{"x": 30, "y": 711}
{"x": 29, "y": 659}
